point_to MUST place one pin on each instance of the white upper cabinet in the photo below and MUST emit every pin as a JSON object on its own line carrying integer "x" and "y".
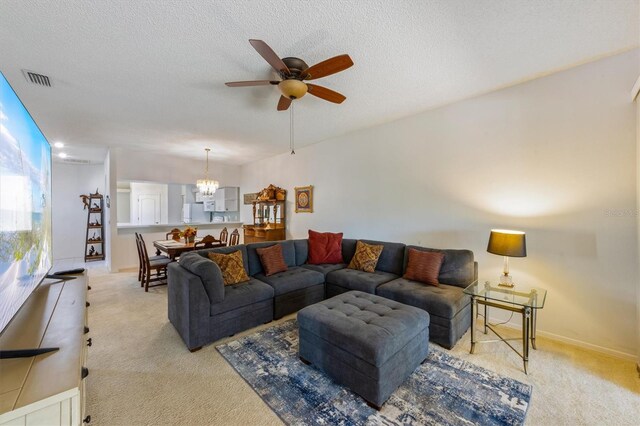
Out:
{"x": 226, "y": 199}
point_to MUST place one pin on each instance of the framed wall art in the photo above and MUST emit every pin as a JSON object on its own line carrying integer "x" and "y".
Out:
{"x": 304, "y": 199}
{"x": 250, "y": 197}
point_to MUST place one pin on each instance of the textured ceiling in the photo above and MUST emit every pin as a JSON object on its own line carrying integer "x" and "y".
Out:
{"x": 150, "y": 75}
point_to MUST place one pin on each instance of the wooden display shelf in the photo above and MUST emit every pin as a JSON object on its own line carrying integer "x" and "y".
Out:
{"x": 90, "y": 225}
{"x": 271, "y": 201}
{"x": 263, "y": 229}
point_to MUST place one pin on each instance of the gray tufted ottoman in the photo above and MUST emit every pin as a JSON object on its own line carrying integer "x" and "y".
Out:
{"x": 365, "y": 342}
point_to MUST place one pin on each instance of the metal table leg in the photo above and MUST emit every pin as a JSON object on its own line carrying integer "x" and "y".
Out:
{"x": 533, "y": 328}
{"x": 526, "y": 321}
{"x": 474, "y": 312}
{"x": 485, "y": 318}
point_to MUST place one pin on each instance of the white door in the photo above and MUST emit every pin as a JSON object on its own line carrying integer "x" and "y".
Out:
{"x": 148, "y": 209}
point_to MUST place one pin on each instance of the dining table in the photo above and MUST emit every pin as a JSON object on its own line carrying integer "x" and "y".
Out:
{"x": 174, "y": 248}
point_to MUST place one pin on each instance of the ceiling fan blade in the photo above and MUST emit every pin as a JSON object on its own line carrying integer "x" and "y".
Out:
{"x": 250, "y": 83}
{"x": 326, "y": 94}
{"x": 270, "y": 56}
{"x": 284, "y": 103}
{"x": 328, "y": 67}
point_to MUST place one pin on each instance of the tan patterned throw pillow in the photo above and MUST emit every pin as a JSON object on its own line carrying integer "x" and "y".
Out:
{"x": 366, "y": 257}
{"x": 232, "y": 267}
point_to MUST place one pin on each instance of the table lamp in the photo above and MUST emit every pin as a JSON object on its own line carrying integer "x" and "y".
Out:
{"x": 507, "y": 243}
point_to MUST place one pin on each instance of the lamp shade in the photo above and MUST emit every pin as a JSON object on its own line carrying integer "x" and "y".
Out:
{"x": 507, "y": 243}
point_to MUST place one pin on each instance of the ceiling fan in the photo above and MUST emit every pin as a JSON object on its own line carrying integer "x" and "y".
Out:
{"x": 293, "y": 71}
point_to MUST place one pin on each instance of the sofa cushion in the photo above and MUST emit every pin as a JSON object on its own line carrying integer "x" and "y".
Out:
{"x": 457, "y": 266}
{"x": 232, "y": 267}
{"x": 209, "y": 273}
{"x": 365, "y": 257}
{"x": 326, "y": 268}
{"x": 324, "y": 247}
{"x": 239, "y": 295}
{"x": 271, "y": 259}
{"x": 294, "y": 278}
{"x": 391, "y": 259}
{"x": 358, "y": 280}
{"x": 288, "y": 252}
{"x": 302, "y": 251}
{"x": 423, "y": 266}
{"x": 443, "y": 301}
{"x": 348, "y": 249}
{"x": 225, "y": 250}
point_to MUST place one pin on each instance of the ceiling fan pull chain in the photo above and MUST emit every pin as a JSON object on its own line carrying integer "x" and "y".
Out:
{"x": 291, "y": 145}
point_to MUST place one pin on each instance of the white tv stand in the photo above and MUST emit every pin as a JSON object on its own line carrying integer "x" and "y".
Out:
{"x": 47, "y": 389}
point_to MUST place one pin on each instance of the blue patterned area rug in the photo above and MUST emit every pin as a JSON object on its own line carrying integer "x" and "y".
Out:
{"x": 443, "y": 391}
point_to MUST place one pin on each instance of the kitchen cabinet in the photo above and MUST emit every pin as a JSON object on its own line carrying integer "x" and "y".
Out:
{"x": 226, "y": 199}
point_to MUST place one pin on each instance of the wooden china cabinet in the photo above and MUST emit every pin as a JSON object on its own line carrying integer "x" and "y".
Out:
{"x": 268, "y": 222}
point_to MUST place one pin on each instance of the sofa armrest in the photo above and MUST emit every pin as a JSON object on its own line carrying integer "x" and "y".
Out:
{"x": 475, "y": 271}
{"x": 208, "y": 271}
{"x": 189, "y": 305}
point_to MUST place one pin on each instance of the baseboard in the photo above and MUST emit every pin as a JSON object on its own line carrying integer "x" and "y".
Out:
{"x": 574, "y": 342}
{"x": 586, "y": 345}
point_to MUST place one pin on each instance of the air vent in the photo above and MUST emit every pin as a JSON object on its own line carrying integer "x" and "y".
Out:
{"x": 35, "y": 78}
{"x": 75, "y": 161}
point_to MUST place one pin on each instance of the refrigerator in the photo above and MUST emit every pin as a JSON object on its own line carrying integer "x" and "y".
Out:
{"x": 193, "y": 213}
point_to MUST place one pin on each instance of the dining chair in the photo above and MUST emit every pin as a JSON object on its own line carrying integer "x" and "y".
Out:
{"x": 154, "y": 264}
{"x": 141, "y": 261}
{"x": 206, "y": 242}
{"x": 224, "y": 234}
{"x": 174, "y": 234}
{"x": 234, "y": 239}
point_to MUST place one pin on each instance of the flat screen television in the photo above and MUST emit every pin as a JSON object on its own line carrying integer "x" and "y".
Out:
{"x": 25, "y": 204}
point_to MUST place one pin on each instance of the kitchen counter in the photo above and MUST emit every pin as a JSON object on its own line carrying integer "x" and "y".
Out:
{"x": 166, "y": 227}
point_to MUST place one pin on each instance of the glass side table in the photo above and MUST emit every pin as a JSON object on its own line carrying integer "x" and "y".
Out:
{"x": 519, "y": 299}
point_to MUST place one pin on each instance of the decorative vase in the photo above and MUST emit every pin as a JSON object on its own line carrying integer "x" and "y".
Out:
{"x": 191, "y": 239}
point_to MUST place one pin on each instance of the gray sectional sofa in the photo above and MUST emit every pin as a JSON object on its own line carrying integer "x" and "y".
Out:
{"x": 203, "y": 309}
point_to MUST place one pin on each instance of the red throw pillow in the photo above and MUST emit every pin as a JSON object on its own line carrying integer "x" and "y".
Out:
{"x": 424, "y": 266}
{"x": 324, "y": 247}
{"x": 272, "y": 259}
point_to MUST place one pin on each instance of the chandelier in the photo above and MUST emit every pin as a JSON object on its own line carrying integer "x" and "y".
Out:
{"x": 207, "y": 186}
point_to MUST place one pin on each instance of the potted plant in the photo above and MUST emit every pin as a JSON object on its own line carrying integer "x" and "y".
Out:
{"x": 189, "y": 234}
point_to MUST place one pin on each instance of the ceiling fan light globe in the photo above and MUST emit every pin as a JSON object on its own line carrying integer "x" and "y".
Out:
{"x": 293, "y": 89}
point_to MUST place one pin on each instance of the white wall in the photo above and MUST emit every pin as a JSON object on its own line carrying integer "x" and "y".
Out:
{"x": 112, "y": 207}
{"x": 69, "y": 218}
{"x": 142, "y": 166}
{"x": 554, "y": 157}
{"x": 123, "y": 202}
{"x": 176, "y": 199}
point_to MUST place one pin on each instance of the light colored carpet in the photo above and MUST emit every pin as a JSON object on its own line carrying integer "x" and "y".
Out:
{"x": 142, "y": 374}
